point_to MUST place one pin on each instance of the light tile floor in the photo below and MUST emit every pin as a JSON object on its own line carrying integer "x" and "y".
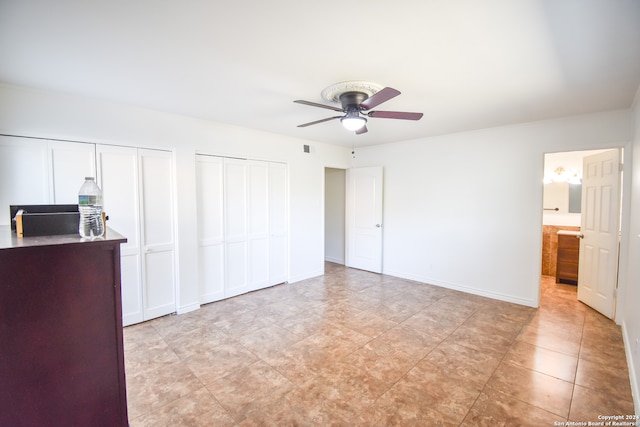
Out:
{"x": 354, "y": 348}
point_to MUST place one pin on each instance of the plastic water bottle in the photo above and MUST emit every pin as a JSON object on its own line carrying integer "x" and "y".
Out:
{"x": 90, "y": 208}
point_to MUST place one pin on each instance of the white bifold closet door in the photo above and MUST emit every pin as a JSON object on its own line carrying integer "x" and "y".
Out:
{"x": 278, "y": 224}
{"x": 258, "y": 224}
{"x": 138, "y": 198}
{"x": 242, "y": 225}
{"x": 210, "y": 196}
{"x": 235, "y": 226}
{"x": 39, "y": 171}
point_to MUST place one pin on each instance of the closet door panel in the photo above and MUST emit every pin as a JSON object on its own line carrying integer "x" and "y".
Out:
{"x": 236, "y": 268}
{"x": 258, "y": 222}
{"x": 71, "y": 162}
{"x": 278, "y": 223}
{"x": 235, "y": 214}
{"x": 235, "y": 199}
{"x": 118, "y": 178}
{"x": 131, "y": 289}
{"x": 209, "y": 195}
{"x": 211, "y": 272}
{"x": 159, "y": 289}
{"x": 24, "y": 176}
{"x": 156, "y": 198}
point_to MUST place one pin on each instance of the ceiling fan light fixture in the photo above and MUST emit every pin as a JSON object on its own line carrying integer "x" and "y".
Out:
{"x": 353, "y": 122}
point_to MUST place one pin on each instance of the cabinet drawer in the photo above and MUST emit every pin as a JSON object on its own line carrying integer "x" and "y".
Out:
{"x": 568, "y": 242}
{"x": 568, "y": 255}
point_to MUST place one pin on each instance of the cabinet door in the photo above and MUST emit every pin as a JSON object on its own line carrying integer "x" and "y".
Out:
{"x": 235, "y": 211}
{"x": 278, "y": 223}
{"x": 70, "y": 163}
{"x": 209, "y": 195}
{"x": 24, "y": 176}
{"x": 118, "y": 178}
{"x": 156, "y": 207}
{"x": 258, "y": 224}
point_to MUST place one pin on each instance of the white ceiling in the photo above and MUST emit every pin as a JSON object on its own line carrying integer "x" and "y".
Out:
{"x": 465, "y": 64}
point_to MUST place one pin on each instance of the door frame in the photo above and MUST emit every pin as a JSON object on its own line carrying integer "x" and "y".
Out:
{"x": 324, "y": 215}
{"x": 625, "y": 190}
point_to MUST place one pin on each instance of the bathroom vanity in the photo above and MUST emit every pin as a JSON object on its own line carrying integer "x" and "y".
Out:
{"x": 568, "y": 257}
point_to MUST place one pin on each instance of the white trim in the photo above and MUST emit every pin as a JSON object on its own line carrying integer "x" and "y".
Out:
{"x": 462, "y": 288}
{"x": 628, "y": 349}
{"x": 306, "y": 276}
{"x": 188, "y": 308}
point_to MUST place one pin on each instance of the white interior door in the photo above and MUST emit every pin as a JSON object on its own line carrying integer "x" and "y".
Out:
{"x": 209, "y": 191}
{"x": 364, "y": 218}
{"x": 598, "y": 266}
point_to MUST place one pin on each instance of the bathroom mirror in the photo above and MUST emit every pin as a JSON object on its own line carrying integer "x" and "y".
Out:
{"x": 562, "y": 197}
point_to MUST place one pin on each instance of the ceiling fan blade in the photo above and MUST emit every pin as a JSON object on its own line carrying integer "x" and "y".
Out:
{"x": 378, "y": 98}
{"x": 318, "y": 121}
{"x": 395, "y": 115}
{"x": 362, "y": 130}
{"x": 315, "y": 104}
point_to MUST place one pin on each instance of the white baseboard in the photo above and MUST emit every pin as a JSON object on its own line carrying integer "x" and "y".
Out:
{"x": 334, "y": 260}
{"x": 633, "y": 378}
{"x": 301, "y": 277}
{"x": 187, "y": 308}
{"x": 461, "y": 288}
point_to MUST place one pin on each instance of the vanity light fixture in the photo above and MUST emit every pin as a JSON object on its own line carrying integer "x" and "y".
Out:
{"x": 560, "y": 174}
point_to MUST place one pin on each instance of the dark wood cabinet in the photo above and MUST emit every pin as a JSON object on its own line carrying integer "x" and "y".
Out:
{"x": 62, "y": 358}
{"x": 568, "y": 256}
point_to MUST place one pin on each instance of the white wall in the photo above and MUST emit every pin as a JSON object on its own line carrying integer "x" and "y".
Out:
{"x": 631, "y": 297}
{"x": 464, "y": 210}
{"x": 31, "y": 112}
{"x": 334, "y": 215}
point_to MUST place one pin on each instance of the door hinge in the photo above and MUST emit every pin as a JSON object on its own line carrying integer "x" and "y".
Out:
{"x": 620, "y": 166}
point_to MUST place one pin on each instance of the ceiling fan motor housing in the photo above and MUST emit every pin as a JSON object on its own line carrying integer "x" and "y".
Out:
{"x": 351, "y": 100}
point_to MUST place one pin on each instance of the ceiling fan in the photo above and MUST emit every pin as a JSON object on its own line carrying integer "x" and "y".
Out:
{"x": 356, "y": 105}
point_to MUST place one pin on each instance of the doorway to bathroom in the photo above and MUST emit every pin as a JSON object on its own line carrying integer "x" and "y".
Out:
{"x": 581, "y": 223}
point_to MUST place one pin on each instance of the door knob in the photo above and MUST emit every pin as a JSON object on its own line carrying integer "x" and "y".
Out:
{"x": 580, "y": 236}
{"x": 378, "y": 225}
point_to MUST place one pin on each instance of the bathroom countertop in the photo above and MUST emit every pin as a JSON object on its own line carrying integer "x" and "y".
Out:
{"x": 568, "y": 232}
